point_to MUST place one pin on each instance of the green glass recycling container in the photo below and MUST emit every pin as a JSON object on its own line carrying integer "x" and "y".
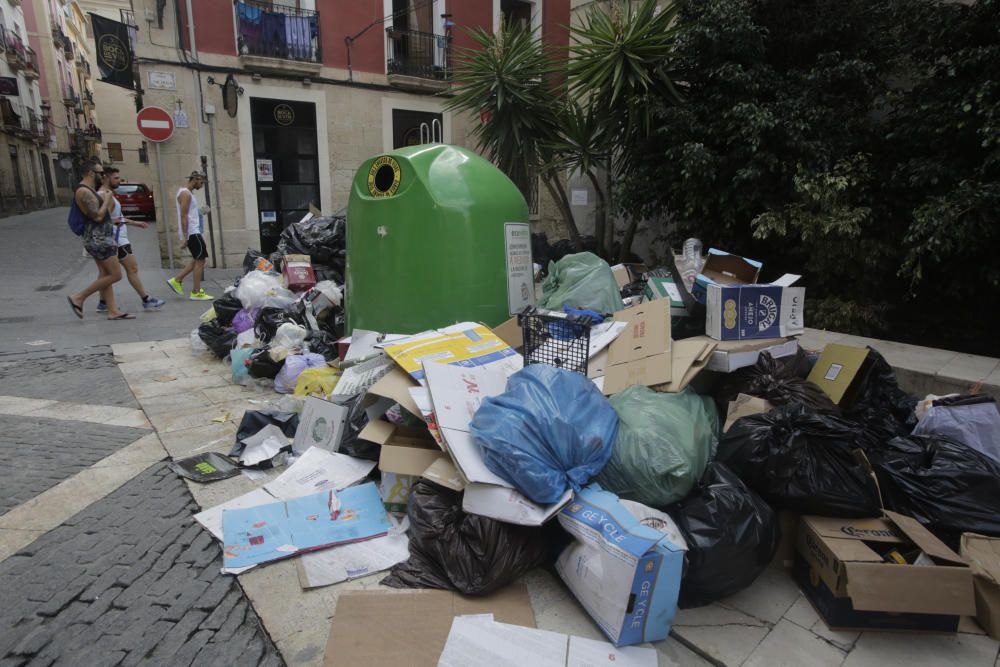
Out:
{"x": 435, "y": 235}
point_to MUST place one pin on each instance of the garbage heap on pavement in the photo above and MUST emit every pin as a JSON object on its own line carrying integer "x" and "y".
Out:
{"x": 658, "y": 437}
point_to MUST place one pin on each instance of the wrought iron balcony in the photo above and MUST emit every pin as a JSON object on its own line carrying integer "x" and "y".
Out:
{"x": 277, "y": 31}
{"x": 417, "y": 54}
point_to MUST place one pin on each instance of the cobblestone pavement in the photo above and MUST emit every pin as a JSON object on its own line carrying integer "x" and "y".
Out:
{"x": 38, "y": 453}
{"x": 89, "y": 377}
{"x": 131, "y": 579}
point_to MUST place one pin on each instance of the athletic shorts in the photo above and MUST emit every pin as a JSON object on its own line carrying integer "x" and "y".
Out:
{"x": 124, "y": 251}
{"x": 196, "y": 244}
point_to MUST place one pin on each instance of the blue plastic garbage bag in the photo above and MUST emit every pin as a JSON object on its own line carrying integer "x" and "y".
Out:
{"x": 549, "y": 431}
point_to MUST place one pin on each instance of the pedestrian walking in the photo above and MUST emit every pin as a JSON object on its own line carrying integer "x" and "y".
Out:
{"x": 190, "y": 224}
{"x": 98, "y": 240}
{"x": 112, "y": 178}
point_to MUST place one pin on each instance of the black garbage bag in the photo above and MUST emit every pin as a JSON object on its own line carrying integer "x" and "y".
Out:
{"x": 321, "y": 342}
{"x": 731, "y": 534}
{"x": 219, "y": 339}
{"x": 226, "y": 307}
{"x": 261, "y": 365}
{"x": 779, "y": 381}
{"x": 803, "y": 461}
{"x": 269, "y": 319}
{"x": 323, "y": 239}
{"x": 884, "y": 408}
{"x": 357, "y": 419}
{"x": 541, "y": 250}
{"x": 942, "y": 483}
{"x": 471, "y": 554}
{"x": 325, "y": 272}
{"x": 253, "y": 421}
{"x": 251, "y": 260}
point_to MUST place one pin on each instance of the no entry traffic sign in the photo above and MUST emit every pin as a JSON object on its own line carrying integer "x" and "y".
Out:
{"x": 155, "y": 124}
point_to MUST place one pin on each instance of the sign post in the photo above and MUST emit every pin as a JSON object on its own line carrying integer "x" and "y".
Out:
{"x": 156, "y": 125}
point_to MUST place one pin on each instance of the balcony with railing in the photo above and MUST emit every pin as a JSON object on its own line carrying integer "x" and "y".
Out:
{"x": 68, "y": 51}
{"x": 14, "y": 50}
{"x": 277, "y": 37}
{"x": 70, "y": 98}
{"x": 417, "y": 60}
{"x": 30, "y": 63}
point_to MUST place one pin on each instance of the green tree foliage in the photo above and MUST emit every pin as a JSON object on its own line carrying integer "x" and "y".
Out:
{"x": 855, "y": 142}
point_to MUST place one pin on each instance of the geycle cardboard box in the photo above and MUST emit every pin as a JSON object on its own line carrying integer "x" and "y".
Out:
{"x": 845, "y": 570}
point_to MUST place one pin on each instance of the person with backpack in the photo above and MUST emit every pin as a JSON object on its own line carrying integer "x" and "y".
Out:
{"x": 90, "y": 218}
{"x": 125, "y": 257}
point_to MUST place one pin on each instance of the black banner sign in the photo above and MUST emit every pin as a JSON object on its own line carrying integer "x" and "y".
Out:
{"x": 114, "y": 51}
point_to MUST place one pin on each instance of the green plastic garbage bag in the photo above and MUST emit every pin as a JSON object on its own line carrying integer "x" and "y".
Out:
{"x": 664, "y": 443}
{"x": 583, "y": 281}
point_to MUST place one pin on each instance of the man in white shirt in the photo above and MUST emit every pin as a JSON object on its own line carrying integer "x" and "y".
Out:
{"x": 112, "y": 179}
{"x": 190, "y": 224}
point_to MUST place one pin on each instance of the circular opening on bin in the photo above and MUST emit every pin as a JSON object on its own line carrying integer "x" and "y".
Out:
{"x": 384, "y": 178}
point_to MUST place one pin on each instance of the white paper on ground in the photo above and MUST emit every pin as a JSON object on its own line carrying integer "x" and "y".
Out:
{"x": 350, "y": 561}
{"x": 479, "y": 641}
{"x": 592, "y": 653}
{"x": 263, "y": 445}
{"x": 475, "y": 641}
{"x": 319, "y": 470}
{"x": 254, "y": 475}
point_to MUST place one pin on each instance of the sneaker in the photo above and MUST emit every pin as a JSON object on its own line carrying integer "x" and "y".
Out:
{"x": 102, "y": 307}
{"x": 175, "y": 286}
{"x": 152, "y": 303}
{"x": 200, "y": 295}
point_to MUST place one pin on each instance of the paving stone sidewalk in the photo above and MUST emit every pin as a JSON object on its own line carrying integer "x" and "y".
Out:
{"x": 129, "y": 580}
{"x": 38, "y": 453}
{"x": 89, "y": 376}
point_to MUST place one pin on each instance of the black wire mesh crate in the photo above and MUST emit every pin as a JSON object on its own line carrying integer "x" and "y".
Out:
{"x": 554, "y": 338}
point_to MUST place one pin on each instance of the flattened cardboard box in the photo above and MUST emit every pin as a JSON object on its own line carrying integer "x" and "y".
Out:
{"x": 840, "y": 371}
{"x": 983, "y": 554}
{"x": 852, "y": 586}
{"x": 397, "y": 628}
{"x": 642, "y": 352}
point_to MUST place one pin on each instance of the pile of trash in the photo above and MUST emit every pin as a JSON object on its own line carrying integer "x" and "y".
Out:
{"x": 658, "y": 437}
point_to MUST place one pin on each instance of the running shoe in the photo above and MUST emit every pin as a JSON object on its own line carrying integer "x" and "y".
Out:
{"x": 200, "y": 295}
{"x": 102, "y": 307}
{"x": 175, "y": 286}
{"x": 152, "y": 303}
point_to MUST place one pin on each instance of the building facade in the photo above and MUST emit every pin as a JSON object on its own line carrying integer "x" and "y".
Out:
{"x": 280, "y": 104}
{"x": 25, "y": 177}
{"x": 58, "y": 32}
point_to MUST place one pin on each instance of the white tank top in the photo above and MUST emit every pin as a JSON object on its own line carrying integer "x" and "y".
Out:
{"x": 193, "y": 217}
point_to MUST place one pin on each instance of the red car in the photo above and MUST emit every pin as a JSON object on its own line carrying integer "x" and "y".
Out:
{"x": 136, "y": 200}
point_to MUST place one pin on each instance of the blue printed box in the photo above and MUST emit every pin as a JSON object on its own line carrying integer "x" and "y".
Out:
{"x": 745, "y": 312}
{"x": 625, "y": 574}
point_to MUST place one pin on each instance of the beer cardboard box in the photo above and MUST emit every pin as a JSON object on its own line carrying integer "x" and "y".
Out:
{"x": 847, "y": 570}
{"x": 745, "y": 312}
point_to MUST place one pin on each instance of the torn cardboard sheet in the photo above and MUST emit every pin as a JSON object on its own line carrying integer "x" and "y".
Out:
{"x": 321, "y": 425}
{"x": 319, "y": 470}
{"x": 456, "y": 393}
{"x": 393, "y": 628}
{"x": 479, "y": 641}
{"x": 270, "y": 532}
{"x": 641, "y": 354}
{"x": 744, "y": 405}
{"x": 395, "y": 386}
{"x": 263, "y": 445}
{"x": 351, "y": 561}
{"x": 467, "y": 343}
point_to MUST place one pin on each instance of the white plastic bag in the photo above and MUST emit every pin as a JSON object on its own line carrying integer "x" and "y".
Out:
{"x": 976, "y": 425}
{"x": 289, "y": 336}
{"x": 258, "y": 289}
{"x": 197, "y": 344}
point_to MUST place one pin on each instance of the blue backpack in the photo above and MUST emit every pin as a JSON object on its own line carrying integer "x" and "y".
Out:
{"x": 77, "y": 220}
